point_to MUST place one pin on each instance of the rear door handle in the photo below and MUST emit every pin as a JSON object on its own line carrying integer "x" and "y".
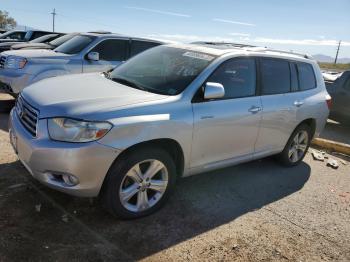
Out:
{"x": 298, "y": 103}
{"x": 254, "y": 109}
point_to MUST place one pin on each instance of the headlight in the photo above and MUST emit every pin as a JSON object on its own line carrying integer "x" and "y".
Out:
{"x": 71, "y": 130}
{"x": 15, "y": 62}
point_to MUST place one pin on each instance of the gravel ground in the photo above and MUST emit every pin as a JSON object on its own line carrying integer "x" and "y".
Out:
{"x": 250, "y": 212}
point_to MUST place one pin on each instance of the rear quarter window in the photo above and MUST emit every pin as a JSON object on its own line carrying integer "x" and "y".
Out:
{"x": 140, "y": 46}
{"x": 307, "y": 79}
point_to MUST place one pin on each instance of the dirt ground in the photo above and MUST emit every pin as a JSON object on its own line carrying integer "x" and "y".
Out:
{"x": 250, "y": 212}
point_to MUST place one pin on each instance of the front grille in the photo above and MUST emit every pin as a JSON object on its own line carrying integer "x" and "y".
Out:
{"x": 2, "y": 61}
{"x": 27, "y": 115}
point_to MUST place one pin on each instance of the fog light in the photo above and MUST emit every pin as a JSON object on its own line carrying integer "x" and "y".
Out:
{"x": 70, "y": 180}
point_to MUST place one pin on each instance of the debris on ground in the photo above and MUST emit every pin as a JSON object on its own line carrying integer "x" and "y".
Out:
{"x": 235, "y": 246}
{"x": 317, "y": 155}
{"x": 340, "y": 154}
{"x": 16, "y": 186}
{"x": 38, "y": 207}
{"x": 343, "y": 162}
{"x": 65, "y": 218}
{"x": 333, "y": 163}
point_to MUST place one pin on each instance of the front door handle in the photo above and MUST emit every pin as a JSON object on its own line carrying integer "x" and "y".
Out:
{"x": 298, "y": 103}
{"x": 254, "y": 109}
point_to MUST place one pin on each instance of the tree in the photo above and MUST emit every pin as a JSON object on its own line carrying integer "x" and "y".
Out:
{"x": 6, "y": 21}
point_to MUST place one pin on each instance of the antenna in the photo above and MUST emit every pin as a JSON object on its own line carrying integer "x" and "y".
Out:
{"x": 53, "y": 19}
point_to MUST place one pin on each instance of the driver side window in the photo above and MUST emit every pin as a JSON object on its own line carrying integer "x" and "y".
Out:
{"x": 112, "y": 50}
{"x": 238, "y": 76}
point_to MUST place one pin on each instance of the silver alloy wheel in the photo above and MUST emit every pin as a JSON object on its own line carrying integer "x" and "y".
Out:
{"x": 298, "y": 146}
{"x": 143, "y": 185}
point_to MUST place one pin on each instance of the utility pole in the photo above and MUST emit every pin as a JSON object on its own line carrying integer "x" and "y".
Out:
{"x": 336, "y": 56}
{"x": 53, "y": 19}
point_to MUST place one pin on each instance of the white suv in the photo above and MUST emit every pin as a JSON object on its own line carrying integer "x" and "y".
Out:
{"x": 171, "y": 111}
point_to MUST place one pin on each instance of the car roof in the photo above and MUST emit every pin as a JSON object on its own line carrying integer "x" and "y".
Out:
{"x": 222, "y": 48}
{"x": 120, "y": 36}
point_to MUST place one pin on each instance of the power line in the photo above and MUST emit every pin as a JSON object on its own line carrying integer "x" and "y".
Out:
{"x": 336, "y": 56}
{"x": 53, "y": 19}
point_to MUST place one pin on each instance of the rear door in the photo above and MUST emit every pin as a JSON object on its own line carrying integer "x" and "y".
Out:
{"x": 227, "y": 128}
{"x": 138, "y": 46}
{"x": 280, "y": 101}
{"x": 112, "y": 53}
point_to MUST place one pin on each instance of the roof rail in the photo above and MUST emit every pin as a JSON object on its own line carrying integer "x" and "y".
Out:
{"x": 221, "y": 44}
{"x": 266, "y": 49}
{"x": 100, "y": 32}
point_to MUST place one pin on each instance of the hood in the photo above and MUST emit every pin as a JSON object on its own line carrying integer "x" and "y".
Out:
{"x": 82, "y": 95}
{"x": 32, "y": 46}
{"x": 35, "y": 53}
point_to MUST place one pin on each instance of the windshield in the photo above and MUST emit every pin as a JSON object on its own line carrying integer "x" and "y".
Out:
{"x": 75, "y": 45}
{"x": 43, "y": 39}
{"x": 59, "y": 41}
{"x": 163, "y": 70}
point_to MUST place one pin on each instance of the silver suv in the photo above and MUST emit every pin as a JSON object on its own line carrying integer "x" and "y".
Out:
{"x": 171, "y": 111}
{"x": 88, "y": 52}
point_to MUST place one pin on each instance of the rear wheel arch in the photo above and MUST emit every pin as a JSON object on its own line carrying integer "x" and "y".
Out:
{"x": 311, "y": 122}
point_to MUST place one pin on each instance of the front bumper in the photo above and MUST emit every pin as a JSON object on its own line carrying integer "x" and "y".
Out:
{"x": 46, "y": 159}
{"x": 13, "y": 81}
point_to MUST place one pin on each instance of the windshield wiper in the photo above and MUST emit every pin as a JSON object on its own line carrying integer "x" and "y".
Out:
{"x": 127, "y": 82}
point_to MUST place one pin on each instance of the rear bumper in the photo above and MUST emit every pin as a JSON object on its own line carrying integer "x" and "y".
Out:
{"x": 46, "y": 160}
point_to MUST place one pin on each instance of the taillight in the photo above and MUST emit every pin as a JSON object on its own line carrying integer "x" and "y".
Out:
{"x": 329, "y": 101}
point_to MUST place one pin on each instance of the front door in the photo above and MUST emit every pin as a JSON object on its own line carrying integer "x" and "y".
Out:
{"x": 227, "y": 128}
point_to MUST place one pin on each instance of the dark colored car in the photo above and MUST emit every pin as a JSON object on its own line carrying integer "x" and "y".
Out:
{"x": 22, "y": 36}
{"x": 339, "y": 89}
{"x": 43, "y": 39}
{"x": 2, "y": 31}
{"x": 44, "y": 45}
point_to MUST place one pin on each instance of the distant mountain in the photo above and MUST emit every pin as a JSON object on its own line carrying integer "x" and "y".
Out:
{"x": 328, "y": 59}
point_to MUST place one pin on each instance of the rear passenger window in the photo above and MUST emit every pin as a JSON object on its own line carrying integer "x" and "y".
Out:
{"x": 140, "y": 46}
{"x": 275, "y": 76}
{"x": 238, "y": 76}
{"x": 112, "y": 50}
{"x": 307, "y": 78}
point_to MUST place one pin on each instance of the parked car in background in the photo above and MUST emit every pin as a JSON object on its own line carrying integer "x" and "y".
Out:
{"x": 47, "y": 45}
{"x": 2, "y": 31}
{"x": 22, "y": 36}
{"x": 89, "y": 52}
{"x": 14, "y": 35}
{"x": 171, "y": 111}
{"x": 339, "y": 89}
{"x": 43, "y": 39}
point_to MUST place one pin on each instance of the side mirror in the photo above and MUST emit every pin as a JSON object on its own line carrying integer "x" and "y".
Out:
{"x": 213, "y": 90}
{"x": 94, "y": 56}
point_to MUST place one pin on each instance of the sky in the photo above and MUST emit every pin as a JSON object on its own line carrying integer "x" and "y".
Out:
{"x": 306, "y": 26}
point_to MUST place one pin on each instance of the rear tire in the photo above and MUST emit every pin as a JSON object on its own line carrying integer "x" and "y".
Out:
{"x": 131, "y": 191}
{"x": 296, "y": 147}
{"x": 6, "y": 105}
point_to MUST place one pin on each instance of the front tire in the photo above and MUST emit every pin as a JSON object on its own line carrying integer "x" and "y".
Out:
{"x": 139, "y": 183}
{"x": 296, "y": 147}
